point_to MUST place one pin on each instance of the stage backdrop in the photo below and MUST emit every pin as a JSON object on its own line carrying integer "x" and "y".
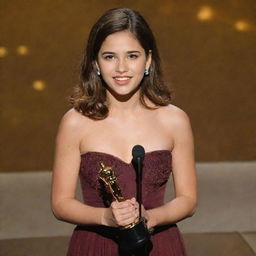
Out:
{"x": 208, "y": 52}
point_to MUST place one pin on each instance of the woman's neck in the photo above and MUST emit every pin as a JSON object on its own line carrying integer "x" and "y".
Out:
{"x": 124, "y": 104}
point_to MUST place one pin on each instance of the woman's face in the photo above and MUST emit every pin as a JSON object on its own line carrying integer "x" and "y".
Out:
{"x": 122, "y": 62}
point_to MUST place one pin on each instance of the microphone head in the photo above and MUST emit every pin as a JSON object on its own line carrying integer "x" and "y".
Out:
{"x": 138, "y": 152}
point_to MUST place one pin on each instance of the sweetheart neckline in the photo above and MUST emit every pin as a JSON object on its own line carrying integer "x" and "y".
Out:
{"x": 121, "y": 160}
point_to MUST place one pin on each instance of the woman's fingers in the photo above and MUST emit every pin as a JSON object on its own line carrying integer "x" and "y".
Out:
{"x": 121, "y": 205}
{"x": 125, "y": 212}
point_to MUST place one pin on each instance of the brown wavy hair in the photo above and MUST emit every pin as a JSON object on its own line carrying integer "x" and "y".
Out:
{"x": 89, "y": 96}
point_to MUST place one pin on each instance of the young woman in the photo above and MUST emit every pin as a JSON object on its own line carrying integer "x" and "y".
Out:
{"x": 120, "y": 102}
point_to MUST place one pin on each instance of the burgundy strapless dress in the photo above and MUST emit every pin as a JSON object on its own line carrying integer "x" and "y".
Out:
{"x": 100, "y": 240}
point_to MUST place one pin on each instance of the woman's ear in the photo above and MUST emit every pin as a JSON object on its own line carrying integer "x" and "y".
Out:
{"x": 96, "y": 65}
{"x": 97, "y": 68}
{"x": 149, "y": 59}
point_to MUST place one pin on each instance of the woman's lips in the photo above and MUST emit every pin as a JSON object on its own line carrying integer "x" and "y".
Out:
{"x": 122, "y": 80}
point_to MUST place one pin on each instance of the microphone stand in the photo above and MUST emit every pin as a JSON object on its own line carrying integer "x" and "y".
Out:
{"x": 143, "y": 250}
{"x": 138, "y": 153}
{"x": 139, "y": 184}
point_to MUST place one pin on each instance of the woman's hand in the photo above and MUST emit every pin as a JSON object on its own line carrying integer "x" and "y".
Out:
{"x": 148, "y": 217}
{"x": 121, "y": 213}
{"x": 125, "y": 213}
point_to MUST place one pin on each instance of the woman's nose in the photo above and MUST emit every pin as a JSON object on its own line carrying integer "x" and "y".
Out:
{"x": 121, "y": 66}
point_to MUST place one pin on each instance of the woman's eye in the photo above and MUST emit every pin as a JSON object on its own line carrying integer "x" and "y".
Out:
{"x": 109, "y": 57}
{"x": 132, "y": 56}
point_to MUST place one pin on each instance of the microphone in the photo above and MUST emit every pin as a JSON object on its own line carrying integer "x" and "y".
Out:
{"x": 138, "y": 154}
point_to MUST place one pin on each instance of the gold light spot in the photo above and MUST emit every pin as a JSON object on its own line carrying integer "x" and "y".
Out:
{"x": 3, "y": 51}
{"x": 205, "y": 13}
{"x": 39, "y": 85}
{"x": 242, "y": 25}
{"x": 22, "y": 50}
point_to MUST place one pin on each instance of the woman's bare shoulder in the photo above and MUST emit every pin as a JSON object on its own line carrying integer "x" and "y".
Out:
{"x": 173, "y": 115}
{"x": 72, "y": 117}
{"x": 73, "y": 121}
{"x": 177, "y": 122}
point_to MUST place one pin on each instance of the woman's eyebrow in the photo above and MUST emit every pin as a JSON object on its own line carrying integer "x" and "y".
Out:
{"x": 108, "y": 53}
{"x": 133, "y": 51}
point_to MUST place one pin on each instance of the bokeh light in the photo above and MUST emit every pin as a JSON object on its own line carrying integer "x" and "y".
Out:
{"x": 38, "y": 85}
{"x": 241, "y": 25}
{"x": 205, "y": 13}
{"x": 22, "y": 50}
{"x": 3, "y": 51}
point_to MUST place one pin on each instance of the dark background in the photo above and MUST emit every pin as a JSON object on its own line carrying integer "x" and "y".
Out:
{"x": 210, "y": 65}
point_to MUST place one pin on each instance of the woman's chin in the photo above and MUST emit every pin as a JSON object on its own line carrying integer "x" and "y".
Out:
{"x": 123, "y": 94}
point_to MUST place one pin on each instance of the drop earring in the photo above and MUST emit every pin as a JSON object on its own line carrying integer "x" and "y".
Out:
{"x": 98, "y": 72}
{"x": 146, "y": 72}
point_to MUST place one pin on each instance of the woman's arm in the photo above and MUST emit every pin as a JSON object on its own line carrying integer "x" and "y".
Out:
{"x": 184, "y": 176}
{"x": 64, "y": 181}
{"x": 65, "y": 175}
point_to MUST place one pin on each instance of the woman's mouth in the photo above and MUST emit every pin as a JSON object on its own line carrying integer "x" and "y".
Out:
{"x": 122, "y": 80}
